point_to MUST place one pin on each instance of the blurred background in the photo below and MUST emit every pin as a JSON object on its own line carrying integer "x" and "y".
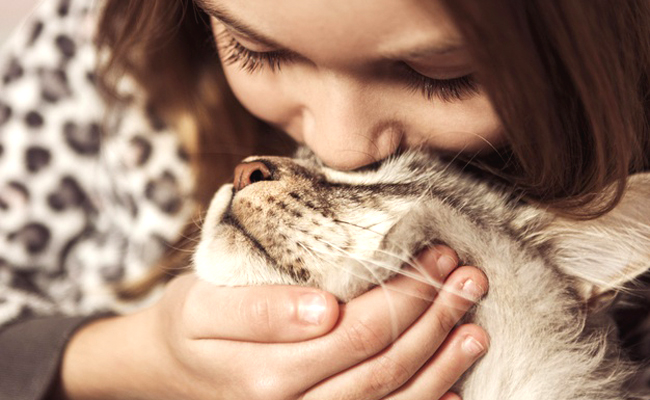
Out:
{"x": 12, "y": 13}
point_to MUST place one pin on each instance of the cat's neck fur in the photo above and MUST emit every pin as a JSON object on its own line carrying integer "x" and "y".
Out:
{"x": 539, "y": 336}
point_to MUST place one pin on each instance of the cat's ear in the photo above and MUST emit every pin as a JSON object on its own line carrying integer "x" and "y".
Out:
{"x": 610, "y": 251}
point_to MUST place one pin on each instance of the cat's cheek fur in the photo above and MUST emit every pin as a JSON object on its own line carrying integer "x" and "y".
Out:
{"x": 225, "y": 256}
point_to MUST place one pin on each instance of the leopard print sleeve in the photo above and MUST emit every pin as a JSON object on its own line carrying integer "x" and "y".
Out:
{"x": 82, "y": 206}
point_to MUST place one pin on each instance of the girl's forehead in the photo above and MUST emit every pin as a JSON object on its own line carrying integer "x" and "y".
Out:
{"x": 346, "y": 29}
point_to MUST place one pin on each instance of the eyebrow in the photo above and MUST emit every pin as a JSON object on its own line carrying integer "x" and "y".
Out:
{"x": 228, "y": 19}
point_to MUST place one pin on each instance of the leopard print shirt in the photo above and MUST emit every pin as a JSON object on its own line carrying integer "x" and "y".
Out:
{"x": 84, "y": 203}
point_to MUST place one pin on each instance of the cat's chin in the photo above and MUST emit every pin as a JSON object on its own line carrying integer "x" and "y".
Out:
{"x": 225, "y": 255}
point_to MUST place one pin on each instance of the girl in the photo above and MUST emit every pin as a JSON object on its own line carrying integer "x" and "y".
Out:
{"x": 549, "y": 96}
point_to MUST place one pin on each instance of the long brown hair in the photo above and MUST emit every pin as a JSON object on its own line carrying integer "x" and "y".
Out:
{"x": 167, "y": 47}
{"x": 569, "y": 80}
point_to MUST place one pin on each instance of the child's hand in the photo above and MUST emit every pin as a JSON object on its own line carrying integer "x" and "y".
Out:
{"x": 276, "y": 342}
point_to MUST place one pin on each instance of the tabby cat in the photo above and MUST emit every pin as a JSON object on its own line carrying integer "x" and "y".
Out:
{"x": 295, "y": 221}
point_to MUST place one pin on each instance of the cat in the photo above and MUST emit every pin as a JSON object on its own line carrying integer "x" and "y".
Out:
{"x": 295, "y": 221}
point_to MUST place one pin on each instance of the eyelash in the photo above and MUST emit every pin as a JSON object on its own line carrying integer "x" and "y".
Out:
{"x": 249, "y": 60}
{"x": 444, "y": 89}
{"x": 447, "y": 90}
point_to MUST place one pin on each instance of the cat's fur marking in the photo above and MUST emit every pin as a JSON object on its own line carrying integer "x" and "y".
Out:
{"x": 347, "y": 231}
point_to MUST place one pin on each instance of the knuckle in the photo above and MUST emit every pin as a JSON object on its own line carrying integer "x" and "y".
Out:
{"x": 387, "y": 375}
{"x": 448, "y": 375}
{"x": 425, "y": 291}
{"x": 445, "y": 320}
{"x": 363, "y": 339}
{"x": 259, "y": 314}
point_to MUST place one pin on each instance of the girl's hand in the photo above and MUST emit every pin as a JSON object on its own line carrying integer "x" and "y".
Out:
{"x": 205, "y": 342}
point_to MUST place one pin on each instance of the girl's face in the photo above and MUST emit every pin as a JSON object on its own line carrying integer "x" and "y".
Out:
{"x": 355, "y": 80}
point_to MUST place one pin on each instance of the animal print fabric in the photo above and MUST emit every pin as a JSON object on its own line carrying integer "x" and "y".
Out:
{"x": 87, "y": 199}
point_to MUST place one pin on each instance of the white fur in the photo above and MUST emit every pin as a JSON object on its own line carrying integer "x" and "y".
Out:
{"x": 224, "y": 257}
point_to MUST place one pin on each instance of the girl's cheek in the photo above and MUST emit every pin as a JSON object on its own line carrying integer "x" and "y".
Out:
{"x": 261, "y": 95}
{"x": 469, "y": 126}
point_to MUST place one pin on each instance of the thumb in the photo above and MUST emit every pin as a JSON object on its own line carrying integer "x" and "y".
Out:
{"x": 256, "y": 313}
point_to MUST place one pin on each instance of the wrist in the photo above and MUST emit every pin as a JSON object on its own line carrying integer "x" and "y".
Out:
{"x": 108, "y": 358}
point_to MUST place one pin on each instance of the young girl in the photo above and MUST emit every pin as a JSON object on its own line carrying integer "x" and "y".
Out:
{"x": 549, "y": 96}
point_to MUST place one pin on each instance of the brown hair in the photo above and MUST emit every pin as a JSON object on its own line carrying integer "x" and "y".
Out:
{"x": 569, "y": 80}
{"x": 167, "y": 47}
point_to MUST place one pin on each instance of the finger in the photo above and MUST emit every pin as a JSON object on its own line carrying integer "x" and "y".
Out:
{"x": 374, "y": 320}
{"x": 448, "y": 396}
{"x": 444, "y": 258}
{"x": 393, "y": 367}
{"x": 464, "y": 346}
{"x": 273, "y": 314}
{"x": 256, "y": 313}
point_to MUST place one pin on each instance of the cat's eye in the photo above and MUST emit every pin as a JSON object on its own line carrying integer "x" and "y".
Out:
{"x": 233, "y": 52}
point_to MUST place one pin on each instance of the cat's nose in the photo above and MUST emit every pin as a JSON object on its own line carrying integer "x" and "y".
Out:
{"x": 247, "y": 173}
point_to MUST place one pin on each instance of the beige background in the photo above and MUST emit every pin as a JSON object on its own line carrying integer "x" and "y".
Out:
{"x": 12, "y": 13}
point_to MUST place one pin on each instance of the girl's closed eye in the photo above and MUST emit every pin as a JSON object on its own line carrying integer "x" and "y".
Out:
{"x": 233, "y": 52}
{"x": 451, "y": 89}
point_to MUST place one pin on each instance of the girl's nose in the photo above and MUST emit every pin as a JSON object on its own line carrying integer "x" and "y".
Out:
{"x": 348, "y": 129}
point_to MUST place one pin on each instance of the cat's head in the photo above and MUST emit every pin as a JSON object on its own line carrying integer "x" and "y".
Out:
{"x": 295, "y": 221}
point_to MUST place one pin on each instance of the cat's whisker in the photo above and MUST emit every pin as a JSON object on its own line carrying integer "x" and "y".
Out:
{"x": 419, "y": 275}
{"x": 402, "y": 259}
{"x": 384, "y": 285}
{"x": 365, "y": 228}
{"x": 327, "y": 260}
{"x": 312, "y": 250}
{"x": 192, "y": 237}
{"x": 391, "y": 267}
{"x": 397, "y": 270}
{"x": 198, "y": 218}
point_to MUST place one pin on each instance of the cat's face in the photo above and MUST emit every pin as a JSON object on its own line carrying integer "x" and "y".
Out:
{"x": 294, "y": 221}
{"x": 303, "y": 223}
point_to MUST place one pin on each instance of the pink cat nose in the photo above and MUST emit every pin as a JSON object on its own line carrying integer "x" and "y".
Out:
{"x": 250, "y": 172}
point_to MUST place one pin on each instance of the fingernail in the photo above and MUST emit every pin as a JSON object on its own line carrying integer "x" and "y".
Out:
{"x": 446, "y": 264}
{"x": 311, "y": 308}
{"x": 472, "y": 346}
{"x": 470, "y": 288}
